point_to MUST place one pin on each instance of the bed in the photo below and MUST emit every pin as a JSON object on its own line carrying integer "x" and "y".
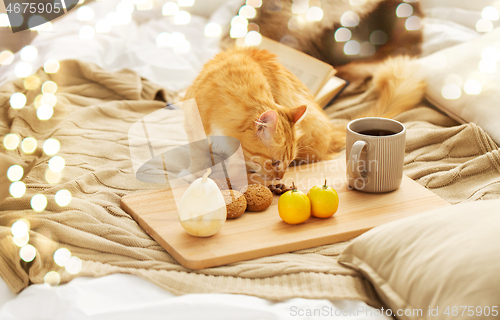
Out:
{"x": 107, "y": 81}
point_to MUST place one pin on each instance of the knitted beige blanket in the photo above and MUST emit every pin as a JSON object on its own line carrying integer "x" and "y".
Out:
{"x": 93, "y": 114}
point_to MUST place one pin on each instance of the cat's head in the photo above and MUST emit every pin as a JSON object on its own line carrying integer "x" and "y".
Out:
{"x": 276, "y": 130}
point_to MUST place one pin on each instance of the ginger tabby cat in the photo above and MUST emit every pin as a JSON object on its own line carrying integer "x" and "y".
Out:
{"x": 247, "y": 94}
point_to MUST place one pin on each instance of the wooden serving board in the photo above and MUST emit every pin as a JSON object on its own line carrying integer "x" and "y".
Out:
{"x": 259, "y": 234}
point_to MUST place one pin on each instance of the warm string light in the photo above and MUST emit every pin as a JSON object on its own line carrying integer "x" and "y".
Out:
{"x": 63, "y": 258}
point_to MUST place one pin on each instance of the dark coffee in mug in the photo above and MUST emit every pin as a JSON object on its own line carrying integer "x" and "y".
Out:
{"x": 377, "y": 132}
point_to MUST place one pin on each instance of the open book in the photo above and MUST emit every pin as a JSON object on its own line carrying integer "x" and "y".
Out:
{"x": 317, "y": 75}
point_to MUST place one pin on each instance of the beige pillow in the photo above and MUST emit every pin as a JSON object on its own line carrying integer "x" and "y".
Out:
{"x": 442, "y": 264}
{"x": 464, "y": 81}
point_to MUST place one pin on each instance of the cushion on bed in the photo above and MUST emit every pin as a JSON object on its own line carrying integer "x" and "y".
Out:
{"x": 442, "y": 258}
{"x": 450, "y": 70}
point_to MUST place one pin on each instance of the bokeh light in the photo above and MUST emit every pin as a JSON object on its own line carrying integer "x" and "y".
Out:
{"x": 27, "y": 253}
{"x": 413, "y": 23}
{"x": 57, "y": 164}
{"x": 487, "y": 66}
{"x": 16, "y": 18}
{"x": 23, "y": 69}
{"x": 145, "y": 5}
{"x": 238, "y": 31}
{"x": 182, "y": 17}
{"x": 213, "y": 29}
{"x": 52, "y": 278}
{"x": 11, "y": 141}
{"x": 85, "y": 13}
{"x": 86, "y": 32}
{"x": 103, "y": 26}
{"x": 63, "y": 197}
{"x": 29, "y": 145}
{"x": 4, "y": 20}
{"x": 52, "y": 177}
{"x": 17, "y": 100}
{"x": 378, "y": 37}
{"x": 20, "y": 228}
{"x": 74, "y": 265}
{"x": 49, "y": 99}
{"x": 352, "y": 47}
{"x": 29, "y": 53}
{"x": 6, "y": 57}
{"x": 343, "y": 35}
{"x": 62, "y": 256}
{"x": 176, "y": 39}
{"x": 51, "y": 146}
{"x": 125, "y": 7}
{"x": 38, "y": 202}
{"x": 35, "y": 22}
{"x": 254, "y": 3}
{"x": 185, "y": 3}
{"x": 45, "y": 27}
{"x": 51, "y": 66}
{"x": 248, "y": 12}
{"x": 120, "y": 18}
{"x": 314, "y": 14}
{"x": 290, "y": 41}
{"x": 454, "y": 78}
{"x": 484, "y": 25}
{"x": 300, "y": 6}
{"x": 451, "y": 91}
{"x": 32, "y": 82}
{"x": 170, "y": 8}
{"x": 491, "y": 54}
{"x": 296, "y": 23}
{"x": 17, "y": 189}
{"x": 252, "y": 26}
{"x": 472, "y": 87}
{"x": 349, "y": 19}
{"x": 404, "y": 10}
{"x": 15, "y": 173}
{"x": 239, "y": 20}
{"x": 253, "y": 38}
{"x": 44, "y": 112}
{"x": 49, "y": 87}
{"x": 162, "y": 40}
{"x": 21, "y": 241}
{"x": 490, "y": 13}
{"x": 182, "y": 47}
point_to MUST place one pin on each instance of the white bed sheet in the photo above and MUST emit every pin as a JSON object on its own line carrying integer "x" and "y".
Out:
{"x": 124, "y": 297}
{"x": 134, "y": 46}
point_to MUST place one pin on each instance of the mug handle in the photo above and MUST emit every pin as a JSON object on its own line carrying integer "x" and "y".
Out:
{"x": 354, "y": 156}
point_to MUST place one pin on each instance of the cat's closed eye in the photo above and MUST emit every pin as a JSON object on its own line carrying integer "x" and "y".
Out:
{"x": 276, "y": 163}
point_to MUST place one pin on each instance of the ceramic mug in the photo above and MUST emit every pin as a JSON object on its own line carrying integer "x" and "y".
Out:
{"x": 375, "y": 150}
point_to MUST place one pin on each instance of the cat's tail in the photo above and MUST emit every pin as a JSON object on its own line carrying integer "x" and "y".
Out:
{"x": 400, "y": 87}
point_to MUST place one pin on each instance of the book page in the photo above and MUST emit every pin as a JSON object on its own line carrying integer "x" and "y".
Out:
{"x": 311, "y": 71}
{"x": 331, "y": 88}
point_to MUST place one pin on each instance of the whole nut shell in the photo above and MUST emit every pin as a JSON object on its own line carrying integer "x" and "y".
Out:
{"x": 278, "y": 191}
{"x": 236, "y": 203}
{"x": 259, "y": 197}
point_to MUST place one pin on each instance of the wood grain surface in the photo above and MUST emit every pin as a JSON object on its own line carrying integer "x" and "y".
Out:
{"x": 259, "y": 234}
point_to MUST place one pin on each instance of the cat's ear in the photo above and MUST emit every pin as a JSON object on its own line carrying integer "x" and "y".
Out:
{"x": 266, "y": 125}
{"x": 298, "y": 113}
